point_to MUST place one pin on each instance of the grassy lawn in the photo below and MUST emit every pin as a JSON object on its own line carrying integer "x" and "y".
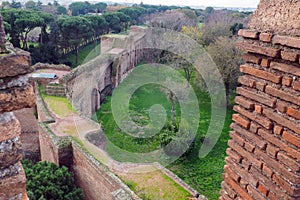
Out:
{"x": 86, "y": 53}
{"x": 162, "y": 187}
{"x": 205, "y": 175}
{"x": 140, "y": 103}
{"x": 200, "y": 25}
{"x": 59, "y": 105}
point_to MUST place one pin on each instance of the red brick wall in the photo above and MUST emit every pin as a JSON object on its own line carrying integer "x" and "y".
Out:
{"x": 95, "y": 179}
{"x": 29, "y": 133}
{"x": 263, "y": 156}
{"x": 49, "y": 150}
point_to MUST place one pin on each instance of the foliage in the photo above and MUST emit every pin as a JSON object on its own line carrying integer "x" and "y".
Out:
{"x": 194, "y": 33}
{"x": 5, "y": 4}
{"x": 235, "y": 28}
{"x": 209, "y": 10}
{"x": 46, "y": 180}
{"x": 113, "y": 22}
{"x": 81, "y": 31}
{"x": 205, "y": 174}
{"x": 99, "y": 24}
{"x": 61, "y": 10}
{"x": 44, "y": 53}
{"x": 99, "y": 7}
{"x": 228, "y": 60}
{"x": 31, "y": 5}
{"x": 80, "y": 8}
{"x": 22, "y": 22}
{"x": 124, "y": 19}
{"x": 133, "y": 12}
{"x": 83, "y": 8}
{"x": 173, "y": 20}
{"x": 85, "y": 54}
{"x": 15, "y": 4}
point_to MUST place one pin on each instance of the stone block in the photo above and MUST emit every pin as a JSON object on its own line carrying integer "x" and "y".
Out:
{"x": 17, "y": 98}
{"x": 10, "y": 152}
{"x": 15, "y": 63}
{"x": 9, "y": 126}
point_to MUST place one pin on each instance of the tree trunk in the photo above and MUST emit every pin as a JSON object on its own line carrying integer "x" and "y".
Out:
{"x": 95, "y": 42}
{"x": 77, "y": 52}
{"x": 41, "y": 38}
{"x": 227, "y": 88}
{"x": 173, "y": 109}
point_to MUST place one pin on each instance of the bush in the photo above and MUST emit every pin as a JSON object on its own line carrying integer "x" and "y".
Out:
{"x": 44, "y": 53}
{"x": 68, "y": 63}
{"x": 46, "y": 180}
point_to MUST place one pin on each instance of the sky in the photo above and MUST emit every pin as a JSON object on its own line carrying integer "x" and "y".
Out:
{"x": 214, "y": 3}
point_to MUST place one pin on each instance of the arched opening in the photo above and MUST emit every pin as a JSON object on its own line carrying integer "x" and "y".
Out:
{"x": 95, "y": 101}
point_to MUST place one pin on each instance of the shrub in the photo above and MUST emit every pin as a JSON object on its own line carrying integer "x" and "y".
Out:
{"x": 46, "y": 180}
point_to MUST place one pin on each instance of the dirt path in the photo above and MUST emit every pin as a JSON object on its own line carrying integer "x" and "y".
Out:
{"x": 82, "y": 128}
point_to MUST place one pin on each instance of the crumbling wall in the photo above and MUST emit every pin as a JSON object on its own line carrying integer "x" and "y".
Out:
{"x": 263, "y": 156}
{"x": 96, "y": 180}
{"x": 29, "y": 133}
{"x": 15, "y": 93}
{"x": 98, "y": 77}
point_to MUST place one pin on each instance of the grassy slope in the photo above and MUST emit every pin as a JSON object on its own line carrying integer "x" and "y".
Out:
{"x": 161, "y": 186}
{"x": 205, "y": 175}
{"x": 59, "y": 105}
{"x": 141, "y": 101}
{"x": 86, "y": 53}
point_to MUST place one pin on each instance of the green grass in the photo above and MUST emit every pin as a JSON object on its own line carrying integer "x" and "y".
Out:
{"x": 59, "y": 105}
{"x": 155, "y": 185}
{"x": 35, "y": 44}
{"x": 205, "y": 175}
{"x": 86, "y": 54}
{"x": 200, "y": 25}
{"x": 140, "y": 103}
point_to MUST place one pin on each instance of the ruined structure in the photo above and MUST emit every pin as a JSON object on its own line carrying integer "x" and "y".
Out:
{"x": 89, "y": 84}
{"x": 263, "y": 156}
{"x": 15, "y": 93}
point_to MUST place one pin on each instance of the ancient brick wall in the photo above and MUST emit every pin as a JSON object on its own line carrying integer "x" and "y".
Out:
{"x": 93, "y": 177}
{"x": 263, "y": 156}
{"x": 96, "y": 180}
{"x": 29, "y": 133}
{"x": 92, "y": 81}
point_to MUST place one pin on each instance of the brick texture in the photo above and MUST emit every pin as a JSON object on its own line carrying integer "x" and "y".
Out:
{"x": 266, "y": 37}
{"x": 264, "y": 151}
{"x": 267, "y": 51}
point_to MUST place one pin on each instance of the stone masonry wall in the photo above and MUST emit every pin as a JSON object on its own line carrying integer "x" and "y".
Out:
{"x": 263, "y": 156}
{"x": 29, "y": 133}
{"x": 96, "y": 180}
{"x": 15, "y": 93}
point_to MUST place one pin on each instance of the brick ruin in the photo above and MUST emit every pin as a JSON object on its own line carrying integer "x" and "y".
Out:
{"x": 15, "y": 94}
{"x": 89, "y": 84}
{"x": 263, "y": 156}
